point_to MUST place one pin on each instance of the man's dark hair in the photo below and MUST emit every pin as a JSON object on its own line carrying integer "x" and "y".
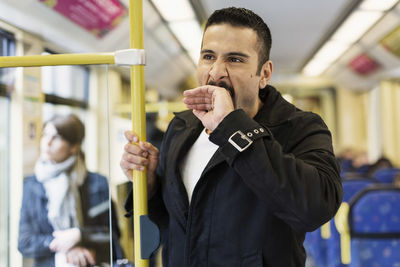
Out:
{"x": 241, "y": 17}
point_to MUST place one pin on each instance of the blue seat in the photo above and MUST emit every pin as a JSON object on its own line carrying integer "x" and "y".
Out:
{"x": 350, "y": 188}
{"x": 386, "y": 175}
{"x": 374, "y": 224}
{"x": 315, "y": 247}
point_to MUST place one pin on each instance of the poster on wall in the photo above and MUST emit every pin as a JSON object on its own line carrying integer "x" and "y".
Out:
{"x": 96, "y": 16}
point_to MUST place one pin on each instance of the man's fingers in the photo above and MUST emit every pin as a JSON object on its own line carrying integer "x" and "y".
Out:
{"x": 142, "y": 149}
{"x": 128, "y": 164}
{"x": 198, "y": 103}
{"x": 198, "y": 99}
{"x": 134, "y": 152}
{"x": 131, "y": 136}
{"x": 133, "y": 149}
{"x": 200, "y": 106}
{"x": 206, "y": 89}
{"x": 137, "y": 157}
{"x": 204, "y": 98}
{"x": 134, "y": 159}
{"x": 149, "y": 148}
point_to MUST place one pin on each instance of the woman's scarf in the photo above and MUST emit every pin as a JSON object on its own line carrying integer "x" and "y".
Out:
{"x": 61, "y": 182}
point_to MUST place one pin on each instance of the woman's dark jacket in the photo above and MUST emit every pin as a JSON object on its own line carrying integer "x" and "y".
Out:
{"x": 35, "y": 230}
{"x": 249, "y": 208}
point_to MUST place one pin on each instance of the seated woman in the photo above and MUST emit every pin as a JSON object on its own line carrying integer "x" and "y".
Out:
{"x": 64, "y": 215}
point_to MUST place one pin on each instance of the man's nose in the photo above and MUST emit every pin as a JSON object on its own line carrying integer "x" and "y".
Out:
{"x": 218, "y": 71}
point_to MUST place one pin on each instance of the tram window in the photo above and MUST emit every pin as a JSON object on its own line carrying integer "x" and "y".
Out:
{"x": 66, "y": 90}
{"x": 7, "y": 48}
{"x": 49, "y": 110}
{"x": 68, "y": 82}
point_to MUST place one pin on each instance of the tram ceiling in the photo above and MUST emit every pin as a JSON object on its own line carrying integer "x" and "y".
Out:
{"x": 299, "y": 29}
{"x": 168, "y": 64}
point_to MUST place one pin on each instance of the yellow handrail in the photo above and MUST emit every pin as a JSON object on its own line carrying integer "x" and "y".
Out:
{"x": 138, "y": 124}
{"x": 59, "y": 59}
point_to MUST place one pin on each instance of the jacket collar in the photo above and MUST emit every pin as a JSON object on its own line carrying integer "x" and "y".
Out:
{"x": 276, "y": 110}
{"x": 190, "y": 120}
{"x": 185, "y": 136}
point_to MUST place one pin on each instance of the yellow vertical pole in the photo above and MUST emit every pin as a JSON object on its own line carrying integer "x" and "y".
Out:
{"x": 138, "y": 124}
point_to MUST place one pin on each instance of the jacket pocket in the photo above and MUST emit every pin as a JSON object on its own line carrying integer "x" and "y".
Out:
{"x": 252, "y": 260}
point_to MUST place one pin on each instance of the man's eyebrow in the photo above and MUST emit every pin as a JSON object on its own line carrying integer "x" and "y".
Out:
{"x": 230, "y": 54}
{"x": 240, "y": 54}
{"x": 207, "y": 51}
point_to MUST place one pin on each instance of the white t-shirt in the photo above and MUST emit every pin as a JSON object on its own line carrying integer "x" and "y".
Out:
{"x": 195, "y": 161}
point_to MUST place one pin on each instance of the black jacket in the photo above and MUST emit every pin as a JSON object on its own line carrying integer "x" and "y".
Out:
{"x": 249, "y": 208}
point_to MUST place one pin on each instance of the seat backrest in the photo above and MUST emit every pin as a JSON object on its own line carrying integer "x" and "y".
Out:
{"x": 315, "y": 247}
{"x": 386, "y": 175}
{"x": 353, "y": 186}
{"x": 374, "y": 223}
{"x": 350, "y": 188}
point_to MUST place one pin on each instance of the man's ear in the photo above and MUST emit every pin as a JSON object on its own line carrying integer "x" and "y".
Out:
{"x": 265, "y": 74}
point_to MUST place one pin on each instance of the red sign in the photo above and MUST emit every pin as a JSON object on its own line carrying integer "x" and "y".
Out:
{"x": 97, "y": 16}
{"x": 363, "y": 64}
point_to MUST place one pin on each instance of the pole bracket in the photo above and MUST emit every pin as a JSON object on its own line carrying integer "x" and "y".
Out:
{"x": 130, "y": 57}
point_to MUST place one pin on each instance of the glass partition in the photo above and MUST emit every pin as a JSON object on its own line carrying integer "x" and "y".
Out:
{"x": 7, "y": 48}
{"x": 62, "y": 194}
{"x": 4, "y": 175}
{"x": 60, "y": 203}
